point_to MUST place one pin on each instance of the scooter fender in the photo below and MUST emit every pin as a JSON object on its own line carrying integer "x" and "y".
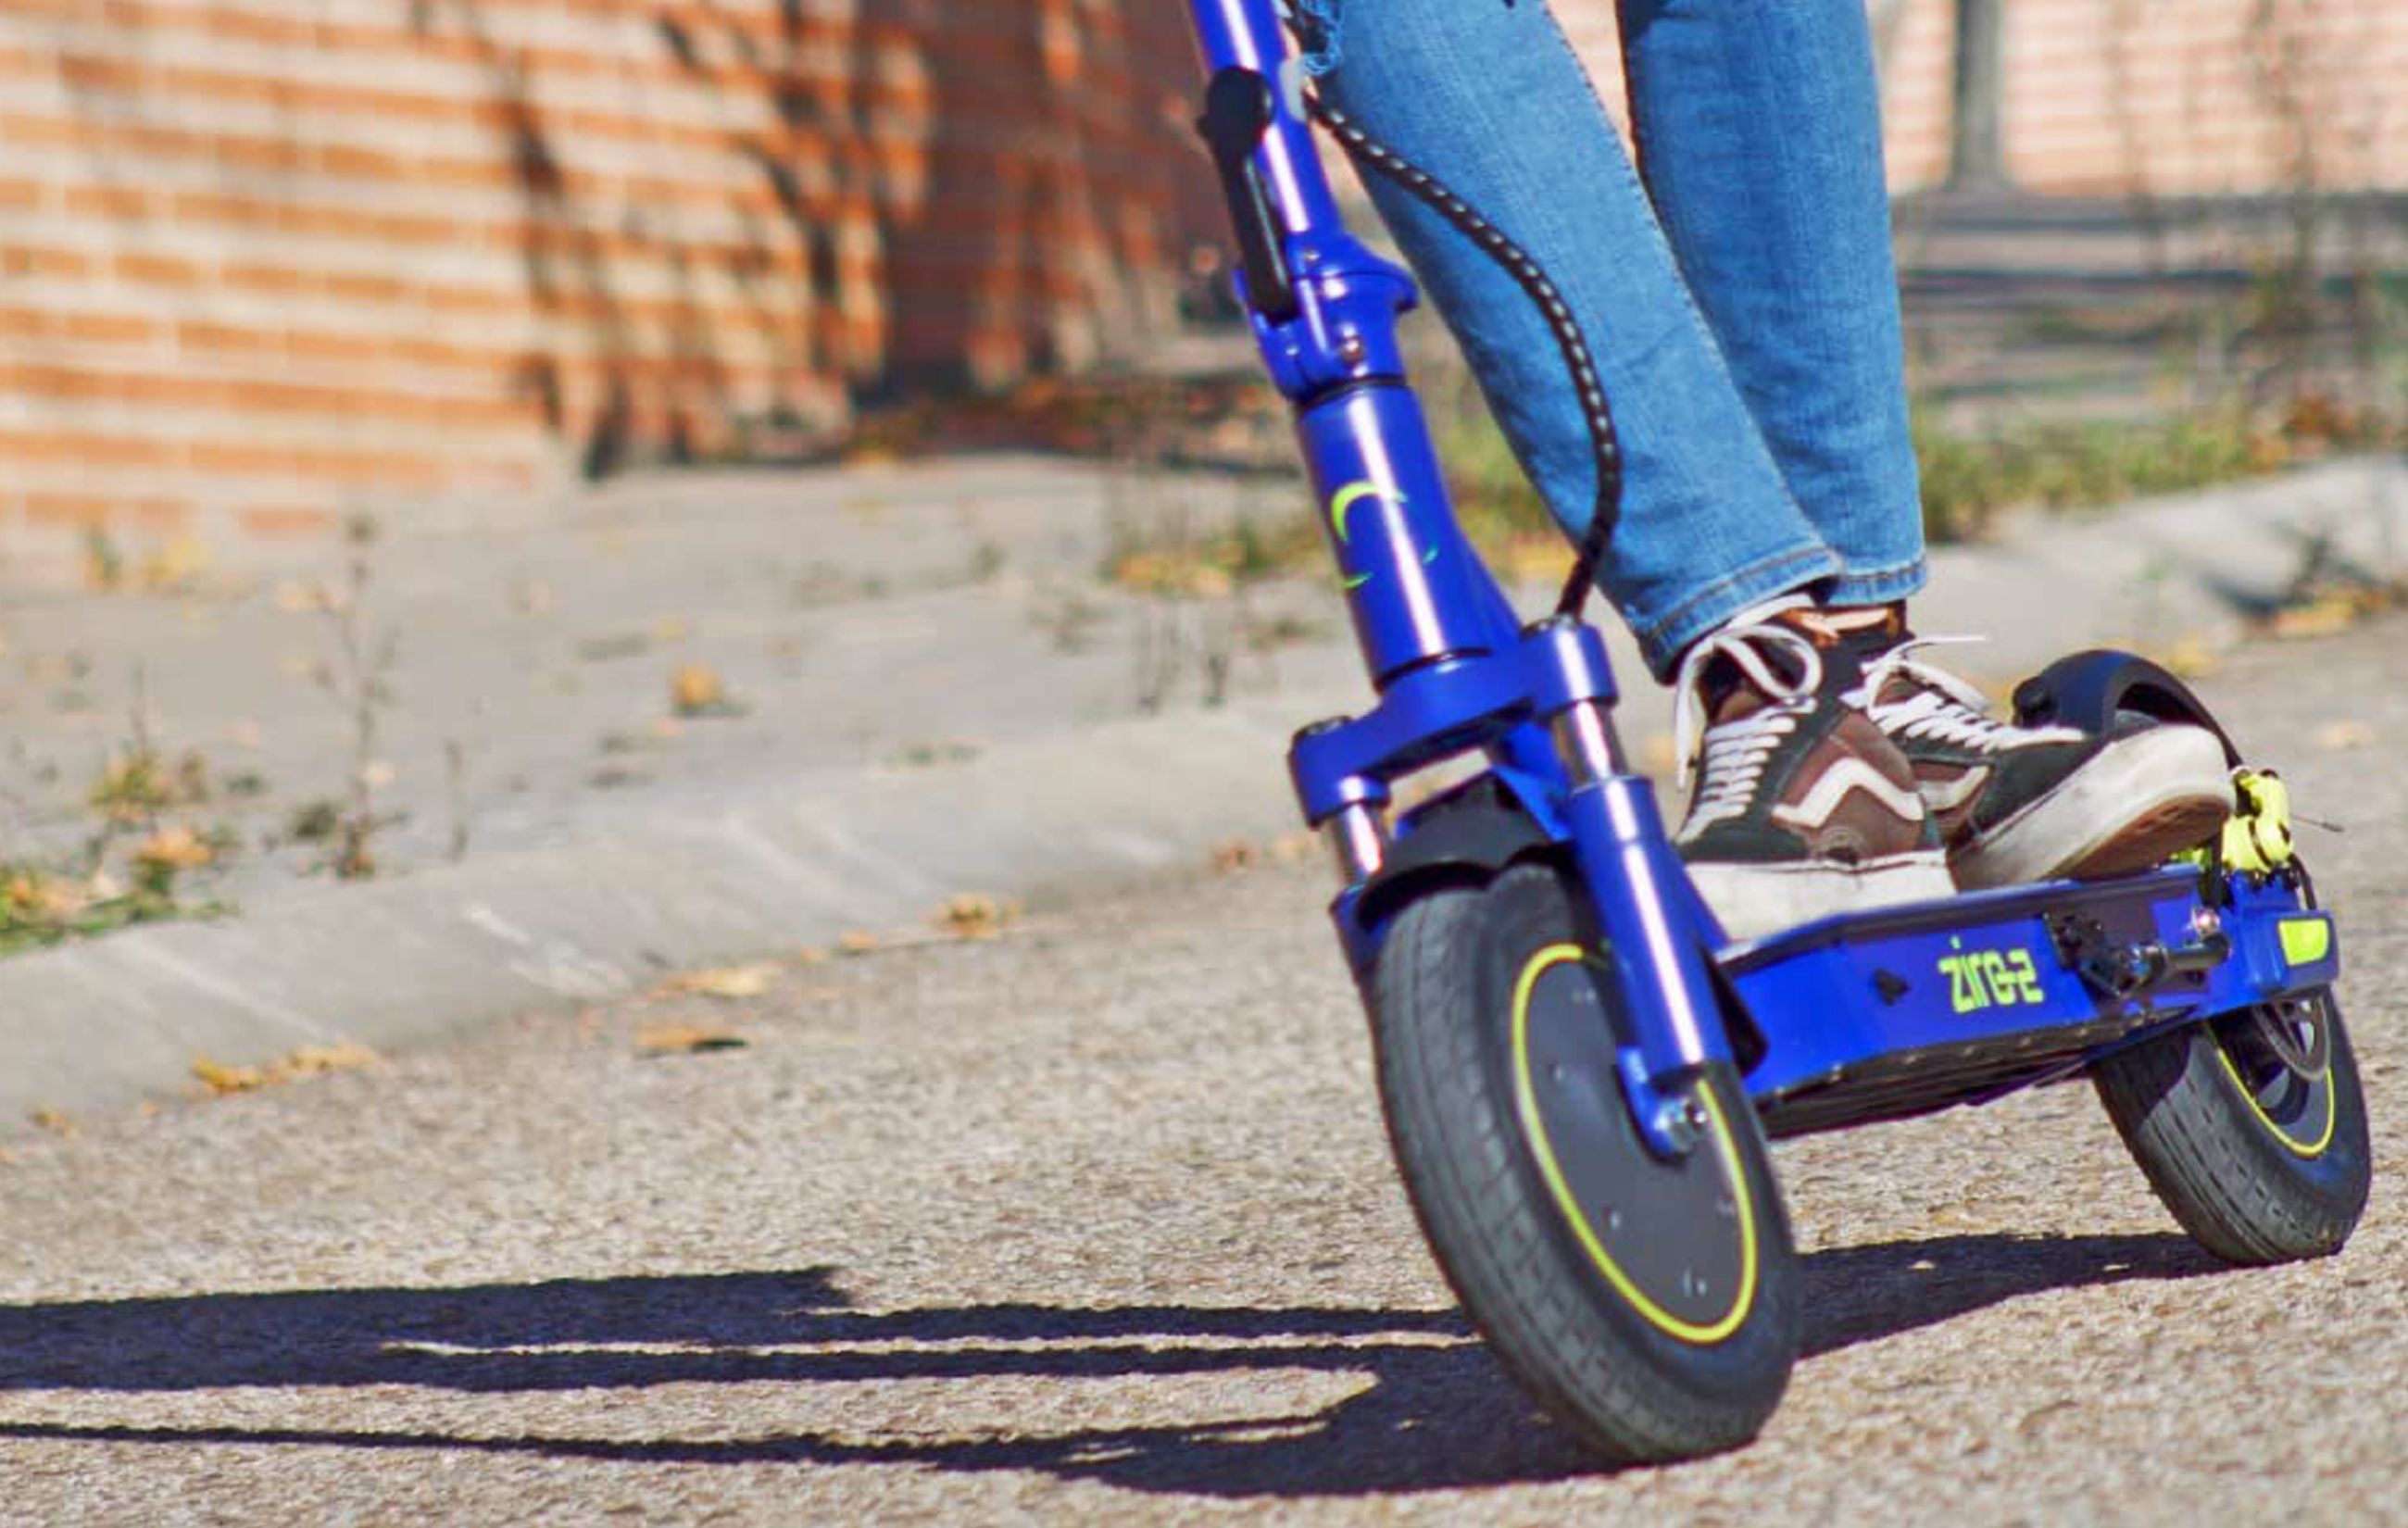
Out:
{"x": 1465, "y": 837}
{"x": 2087, "y": 689}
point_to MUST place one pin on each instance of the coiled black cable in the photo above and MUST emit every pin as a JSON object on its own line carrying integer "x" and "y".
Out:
{"x": 1606, "y": 446}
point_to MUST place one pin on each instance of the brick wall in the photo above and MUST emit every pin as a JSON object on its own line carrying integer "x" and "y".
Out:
{"x": 266, "y": 262}
{"x": 2177, "y": 97}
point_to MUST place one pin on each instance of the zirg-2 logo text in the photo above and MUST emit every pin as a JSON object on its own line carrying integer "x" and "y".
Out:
{"x": 1989, "y": 978}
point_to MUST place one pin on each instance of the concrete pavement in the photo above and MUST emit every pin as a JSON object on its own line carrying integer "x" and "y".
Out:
{"x": 934, "y": 696}
{"x": 1095, "y": 1223}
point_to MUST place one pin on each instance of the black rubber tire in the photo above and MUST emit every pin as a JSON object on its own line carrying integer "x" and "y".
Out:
{"x": 1443, "y": 1016}
{"x": 2242, "y": 1186}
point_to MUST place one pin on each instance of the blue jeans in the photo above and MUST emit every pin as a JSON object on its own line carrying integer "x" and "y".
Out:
{"x": 1742, "y": 304}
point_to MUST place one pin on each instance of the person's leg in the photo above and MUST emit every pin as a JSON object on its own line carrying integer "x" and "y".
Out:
{"x": 1489, "y": 97}
{"x": 1759, "y": 137}
{"x": 1759, "y": 128}
{"x": 1801, "y": 806}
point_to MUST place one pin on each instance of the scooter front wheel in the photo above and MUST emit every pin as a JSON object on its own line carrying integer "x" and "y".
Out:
{"x": 1649, "y": 1303}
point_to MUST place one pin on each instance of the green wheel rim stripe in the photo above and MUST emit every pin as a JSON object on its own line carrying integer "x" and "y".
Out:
{"x": 1525, "y": 1098}
{"x": 2290, "y": 1143}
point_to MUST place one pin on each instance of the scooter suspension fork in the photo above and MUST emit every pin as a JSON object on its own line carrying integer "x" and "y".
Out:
{"x": 1648, "y": 916}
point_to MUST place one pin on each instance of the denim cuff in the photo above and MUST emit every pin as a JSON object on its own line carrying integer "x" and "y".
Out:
{"x": 1875, "y": 586}
{"x": 1662, "y": 640}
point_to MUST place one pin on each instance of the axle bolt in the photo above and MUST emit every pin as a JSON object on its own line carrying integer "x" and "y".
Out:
{"x": 1680, "y": 1121}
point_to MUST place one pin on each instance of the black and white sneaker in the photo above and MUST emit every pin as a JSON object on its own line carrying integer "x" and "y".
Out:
{"x": 1801, "y": 808}
{"x": 2024, "y": 803}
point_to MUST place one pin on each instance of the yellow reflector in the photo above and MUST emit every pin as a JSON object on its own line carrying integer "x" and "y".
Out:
{"x": 2306, "y": 940}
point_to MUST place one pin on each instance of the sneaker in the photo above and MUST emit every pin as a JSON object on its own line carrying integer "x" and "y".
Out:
{"x": 2023, "y": 803}
{"x": 1801, "y": 808}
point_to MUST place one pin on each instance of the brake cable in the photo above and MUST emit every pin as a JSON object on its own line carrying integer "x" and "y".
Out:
{"x": 1605, "y": 446}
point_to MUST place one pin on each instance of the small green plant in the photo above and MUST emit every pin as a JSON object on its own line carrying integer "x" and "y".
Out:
{"x": 360, "y": 681}
{"x": 135, "y": 867}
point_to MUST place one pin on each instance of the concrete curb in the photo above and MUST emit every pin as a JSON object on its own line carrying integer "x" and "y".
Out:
{"x": 682, "y": 881}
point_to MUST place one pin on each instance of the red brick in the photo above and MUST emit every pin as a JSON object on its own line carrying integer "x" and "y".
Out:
{"x": 56, "y": 446}
{"x": 364, "y": 286}
{"x": 205, "y": 336}
{"x": 36, "y": 260}
{"x": 66, "y": 511}
{"x": 281, "y": 522}
{"x": 276, "y": 280}
{"x": 156, "y": 270}
{"x": 96, "y": 72}
{"x": 232, "y": 207}
{"x": 158, "y": 516}
{"x": 28, "y": 323}
{"x": 108, "y": 202}
{"x": 331, "y": 349}
{"x": 111, "y": 328}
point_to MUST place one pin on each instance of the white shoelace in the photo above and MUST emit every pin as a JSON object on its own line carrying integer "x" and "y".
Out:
{"x": 1727, "y": 760}
{"x": 1944, "y": 708}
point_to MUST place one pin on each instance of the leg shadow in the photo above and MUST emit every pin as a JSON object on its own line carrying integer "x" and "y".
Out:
{"x": 1433, "y": 1409}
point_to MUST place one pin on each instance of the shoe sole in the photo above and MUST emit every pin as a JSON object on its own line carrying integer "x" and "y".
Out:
{"x": 1754, "y": 900}
{"x": 2139, "y": 802}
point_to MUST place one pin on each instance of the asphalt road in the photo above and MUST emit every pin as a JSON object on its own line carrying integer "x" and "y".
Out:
{"x": 1096, "y": 1223}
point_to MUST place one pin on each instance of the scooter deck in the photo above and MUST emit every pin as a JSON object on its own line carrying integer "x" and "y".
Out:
{"x": 1905, "y": 1010}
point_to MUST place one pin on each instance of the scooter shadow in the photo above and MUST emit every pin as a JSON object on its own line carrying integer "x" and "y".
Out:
{"x": 1437, "y": 1411}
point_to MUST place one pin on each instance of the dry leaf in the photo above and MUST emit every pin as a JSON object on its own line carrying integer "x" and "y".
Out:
{"x": 173, "y": 564}
{"x": 728, "y": 982}
{"x": 695, "y": 690}
{"x": 665, "y": 1037}
{"x": 42, "y": 896}
{"x": 318, "y": 1059}
{"x": 1288, "y": 847}
{"x": 308, "y": 1061}
{"x": 2337, "y": 735}
{"x": 2320, "y": 617}
{"x": 1232, "y": 855}
{"x": 2192, "y": 659}
{"x": 221, "y": 1079}
{"x": 56, "y": 1122}
{"x": 174, "y": 849}
{"x": 855, "y": 942}
{"x": 295, "y": 598}
{"x": 972, "y": 916}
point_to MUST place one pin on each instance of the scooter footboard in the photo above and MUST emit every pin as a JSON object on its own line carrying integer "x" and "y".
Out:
{"x": 1905, "y": 1011}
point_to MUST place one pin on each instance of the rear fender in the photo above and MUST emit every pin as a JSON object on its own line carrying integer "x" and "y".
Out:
{"x": 2087, "y": 689}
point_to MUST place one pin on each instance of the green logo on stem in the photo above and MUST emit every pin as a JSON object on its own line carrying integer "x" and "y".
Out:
{"x": 1343, "y": 502}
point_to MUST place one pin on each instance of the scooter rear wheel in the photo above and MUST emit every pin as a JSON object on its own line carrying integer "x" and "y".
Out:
{"x": 1649, "y": 1304}
{"x": 2251, "y": 1128}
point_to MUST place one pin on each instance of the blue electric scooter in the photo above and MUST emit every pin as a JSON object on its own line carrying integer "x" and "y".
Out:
{"x": 1580, "y": 1071}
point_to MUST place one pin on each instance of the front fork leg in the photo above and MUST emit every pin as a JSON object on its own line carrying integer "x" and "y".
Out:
{"x": 1653, "y": 925}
